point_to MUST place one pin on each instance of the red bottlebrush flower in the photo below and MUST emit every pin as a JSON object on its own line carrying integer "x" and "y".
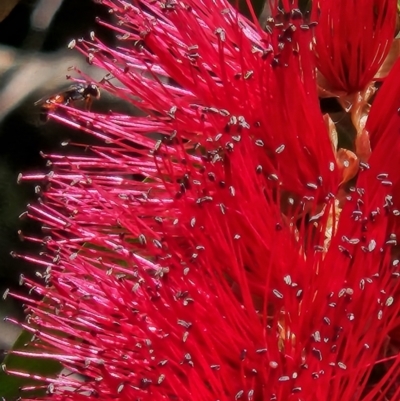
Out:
{"x": 352, "y": 40}
{"x": 201, "y": 252}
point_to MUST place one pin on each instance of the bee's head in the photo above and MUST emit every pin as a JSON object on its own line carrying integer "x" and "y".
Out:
{"x": 92, "y": 90}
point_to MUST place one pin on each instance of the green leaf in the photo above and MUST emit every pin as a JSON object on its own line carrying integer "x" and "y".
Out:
{"x": 10, "y": 385}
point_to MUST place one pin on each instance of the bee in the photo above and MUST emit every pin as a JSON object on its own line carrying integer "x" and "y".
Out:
{"x": 78, "y": 92}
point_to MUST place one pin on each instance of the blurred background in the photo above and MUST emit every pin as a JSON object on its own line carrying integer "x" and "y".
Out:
{"x": 34, "y": 61}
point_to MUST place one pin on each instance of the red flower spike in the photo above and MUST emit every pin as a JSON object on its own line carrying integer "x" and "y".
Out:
{"x": 370, "y": 218}
{"x": 250, "y": 71}
{"x": 197, "y": 266}
{"x": 383, "y": 127}
{"x": 352, "y": 40}
{"x": 385, "y": 111}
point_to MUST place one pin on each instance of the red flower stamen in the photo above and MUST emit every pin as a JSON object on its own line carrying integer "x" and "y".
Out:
{"x": 352, "y": 40}
{"x": 201, "y": 252}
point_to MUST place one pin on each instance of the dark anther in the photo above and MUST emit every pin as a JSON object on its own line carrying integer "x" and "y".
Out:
{"x": 296, "y": 14}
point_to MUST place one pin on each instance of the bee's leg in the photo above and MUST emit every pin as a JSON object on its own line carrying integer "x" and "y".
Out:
{"x": 44, "y": 114}
{"x": 88, "y": 103}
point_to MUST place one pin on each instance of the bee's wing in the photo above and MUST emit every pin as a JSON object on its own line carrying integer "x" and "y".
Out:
{"x": 46, "y": 99}
{"x": 70, "y": 92}
{"x": 40, "y": 101}
{"x": 75, "y": 92}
